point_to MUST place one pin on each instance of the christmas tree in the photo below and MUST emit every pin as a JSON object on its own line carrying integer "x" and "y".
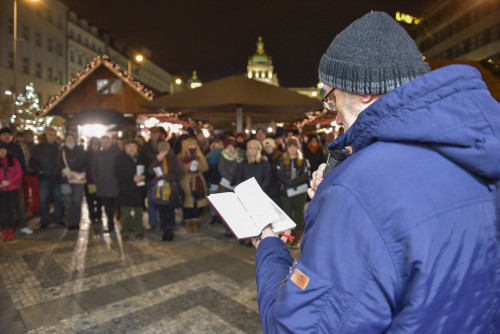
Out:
{"x": 27, "y": 108}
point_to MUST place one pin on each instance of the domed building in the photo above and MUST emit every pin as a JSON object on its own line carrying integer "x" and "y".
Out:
{"x": 260, "y": 66}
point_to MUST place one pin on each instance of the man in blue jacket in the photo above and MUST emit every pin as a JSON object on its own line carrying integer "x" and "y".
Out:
{"x": 401, "y": 237}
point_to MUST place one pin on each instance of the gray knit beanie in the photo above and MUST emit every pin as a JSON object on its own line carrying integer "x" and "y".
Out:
{"x": 373, "y": 55}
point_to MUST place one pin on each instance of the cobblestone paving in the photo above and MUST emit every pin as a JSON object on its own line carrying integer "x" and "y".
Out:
{"x": 59, "y": 281}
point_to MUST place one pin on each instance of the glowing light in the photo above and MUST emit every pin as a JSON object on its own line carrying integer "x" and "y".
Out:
{"x": 205, "y": 132}
{"x": 314, "y": 93}
{"x": 254, "y": 132}
{"x": 247, "y": 131}
{"x": 8, "y": 92}
{"x": 269, "y": 129}
{"x": 151, "y": 122}
{"x": 334, "y": 123}
{"x": 178, "y": 81}
{"x": 280, "y": 124}
{"x": 320, "y": 85}
{"x": 93, "y": 130}
{"x": 139, "y": 58}
{"x": 402, "y": 17}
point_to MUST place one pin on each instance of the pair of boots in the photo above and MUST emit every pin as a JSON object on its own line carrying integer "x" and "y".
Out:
{"x": 7, "y": 235}
{"x": 192, "y": 225}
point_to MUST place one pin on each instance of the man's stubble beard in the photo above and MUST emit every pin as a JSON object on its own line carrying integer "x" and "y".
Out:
{"x": 352, "y": 108}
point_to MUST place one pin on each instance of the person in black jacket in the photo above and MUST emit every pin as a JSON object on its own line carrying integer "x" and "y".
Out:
{"x": 130, "y": 171}
{"x": 293, "y": 173}
{"x": 313, "y": 152}
{"x": 43, "y": 162}
{"x": 273, "y": 156}
{"x": 254, "y": 166}
{"x": 71, "y": 165}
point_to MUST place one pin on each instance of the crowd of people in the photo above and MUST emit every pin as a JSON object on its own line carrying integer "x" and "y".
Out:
{"x": 122, "y": 177}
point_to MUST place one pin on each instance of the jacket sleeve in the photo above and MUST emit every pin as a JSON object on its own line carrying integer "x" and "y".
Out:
{"x": 345, "y": 279}
{"x": 203, "y": 165}
{"x": 94, "y": 169}
{"x": 221, "y": 166}
{"x": 267, "y": 175}
{"x": 17, "y": 173}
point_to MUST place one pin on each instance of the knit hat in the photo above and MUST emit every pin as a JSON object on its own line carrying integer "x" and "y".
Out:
{"x": 229, "y": 141}
{"x": 5, "y": 130}
{"x": 373, "y": 55}
{"x": 269, "y": 142}
{"x": 130, "y": 141}
{"x": 163, "y": 146}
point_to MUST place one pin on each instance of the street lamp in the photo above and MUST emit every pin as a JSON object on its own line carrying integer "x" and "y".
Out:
{"x": 177, "y": 81}
{"x": 14, "y": 95}
{"x": 138, "y": 58}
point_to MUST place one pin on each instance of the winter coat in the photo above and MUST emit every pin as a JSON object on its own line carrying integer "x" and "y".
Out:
{"x": 274, "y": 160}
{"x": 10, "y": 170}
{"x": 302, "y": 174}
{"x": 401, "y": 237}
{"x": 43, "y": 161}
{"x": 129, "y": 193}
{"x": 75, "y": 159}
{"x": 260, "y": 170}
{"x": 173, "y": 174}
{"x": 227, "y": 166}
{"x": 213, "y": 176}
{"x": 18, "y": 153}
{"x": 190, "y": 181}
{"x": 315, "y": 159}
{"x": 103, "y": 172}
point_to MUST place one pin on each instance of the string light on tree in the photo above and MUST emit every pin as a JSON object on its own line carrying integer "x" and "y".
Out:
{"x": 27, "y": 109}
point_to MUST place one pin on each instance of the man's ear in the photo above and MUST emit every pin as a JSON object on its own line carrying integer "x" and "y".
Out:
{"x": 369, "y": 99}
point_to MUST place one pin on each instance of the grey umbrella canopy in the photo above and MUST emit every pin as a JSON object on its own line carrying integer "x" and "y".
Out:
{"x": 231, "y": 96}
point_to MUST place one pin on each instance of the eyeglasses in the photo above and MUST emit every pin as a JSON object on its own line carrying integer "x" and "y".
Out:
{"x": 329, "y": 106}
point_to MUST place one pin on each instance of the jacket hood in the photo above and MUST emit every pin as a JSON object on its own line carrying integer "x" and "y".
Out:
{"x": 449, "y": 109}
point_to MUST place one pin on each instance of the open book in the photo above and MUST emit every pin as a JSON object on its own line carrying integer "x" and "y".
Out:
{"x": 248, "y": 210}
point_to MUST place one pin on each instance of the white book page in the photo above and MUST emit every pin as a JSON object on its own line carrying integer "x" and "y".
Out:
{"x": 256, "y": 202}
{"x": 234, "y": 214}
{"x": 283, "y": 222}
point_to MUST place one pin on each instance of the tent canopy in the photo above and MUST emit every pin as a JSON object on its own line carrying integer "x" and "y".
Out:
{"x": 220, "y": 99}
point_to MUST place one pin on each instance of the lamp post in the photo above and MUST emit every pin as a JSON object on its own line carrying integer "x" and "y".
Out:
{"x": 14, "y": 94}
{"x": 138, "y": 58}
{"x": 177, "y": 81}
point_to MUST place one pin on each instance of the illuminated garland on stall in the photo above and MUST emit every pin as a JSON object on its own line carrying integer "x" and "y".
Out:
{"x": 311, "y": 117}
{"x": 89, "y": 69}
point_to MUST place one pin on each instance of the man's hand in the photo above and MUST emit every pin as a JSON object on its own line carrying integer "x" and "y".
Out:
{"x": 317, "y": 177}
{"x": 139, "y": 178}
{"x": 268, "y": 232}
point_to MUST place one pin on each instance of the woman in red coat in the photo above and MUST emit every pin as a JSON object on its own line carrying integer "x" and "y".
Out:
{"x": 10, "y": 181}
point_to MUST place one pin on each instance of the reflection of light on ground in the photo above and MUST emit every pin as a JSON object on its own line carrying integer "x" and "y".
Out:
{"x": 78, "y": 260}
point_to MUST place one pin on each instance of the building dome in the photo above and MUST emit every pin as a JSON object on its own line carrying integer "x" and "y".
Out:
{"x": 260, "y": 56}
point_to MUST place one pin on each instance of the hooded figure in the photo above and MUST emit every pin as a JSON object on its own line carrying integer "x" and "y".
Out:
{"x": 402, "y": 236}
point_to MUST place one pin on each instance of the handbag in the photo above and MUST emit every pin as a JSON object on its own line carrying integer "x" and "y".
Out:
{"x": 177, "y": 196}
{"x": 74, "y": 177}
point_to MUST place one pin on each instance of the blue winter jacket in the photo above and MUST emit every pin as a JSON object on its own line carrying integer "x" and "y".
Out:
{"x": 402, "y": 236}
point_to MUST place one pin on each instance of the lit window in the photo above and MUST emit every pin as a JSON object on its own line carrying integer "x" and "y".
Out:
{"x": 109, "y": 86}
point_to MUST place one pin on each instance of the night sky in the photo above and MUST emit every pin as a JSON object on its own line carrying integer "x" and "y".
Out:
{"x": 215, "y": 37}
